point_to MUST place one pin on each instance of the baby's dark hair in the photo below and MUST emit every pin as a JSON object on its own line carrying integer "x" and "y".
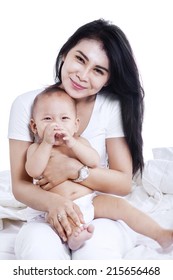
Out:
{"x": 50, "y": 90}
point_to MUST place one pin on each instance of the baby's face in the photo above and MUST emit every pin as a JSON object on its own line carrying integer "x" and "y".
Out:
{"x": 55, "y": 109}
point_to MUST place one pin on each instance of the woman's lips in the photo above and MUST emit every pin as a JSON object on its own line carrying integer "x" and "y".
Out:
{"x": 76, "y": 85}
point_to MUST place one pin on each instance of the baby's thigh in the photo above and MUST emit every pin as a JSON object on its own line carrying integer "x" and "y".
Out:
{"x": 37, "y": 240}
{"x": 111, "y": 240}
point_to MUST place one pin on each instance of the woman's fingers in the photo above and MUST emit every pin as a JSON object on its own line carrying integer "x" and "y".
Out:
{"x": 64, "y": 216}
{"x": 42, "y": 181}
{"x": 79, "y": 213}
{"x": 44, "y": 184}
{"x": 47, "y": 187}
{"x": 57, "y": 226}
{"x": 66, "y": 225}
{"x": 75, "y": 214}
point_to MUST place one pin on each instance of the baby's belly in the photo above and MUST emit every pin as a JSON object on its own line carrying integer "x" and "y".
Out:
{"x": 71, "y": 190}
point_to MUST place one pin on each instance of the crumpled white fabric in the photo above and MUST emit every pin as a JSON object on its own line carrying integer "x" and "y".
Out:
{"x": 158, "y": 177}
{"x": 163, "y": 153}
{"x": 10, "y": 208}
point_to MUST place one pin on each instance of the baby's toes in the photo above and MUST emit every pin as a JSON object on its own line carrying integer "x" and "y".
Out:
{"x": 77, "y": 232}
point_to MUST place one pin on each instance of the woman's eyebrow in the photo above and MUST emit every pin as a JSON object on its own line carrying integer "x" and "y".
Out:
{"x": 83, "y": 55}
{"x": 98, "y": 66}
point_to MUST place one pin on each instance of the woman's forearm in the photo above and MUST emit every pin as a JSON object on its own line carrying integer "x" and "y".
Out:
{"x": 99, "y": 179}
{"x": 32, "y": 195}
{"x": 109, "y": 181}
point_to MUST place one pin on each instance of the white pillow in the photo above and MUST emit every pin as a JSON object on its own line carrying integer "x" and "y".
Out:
{"x": 7, "y": 198}
{"x": 163, "y": 153}
{"x": 158, "y": 177}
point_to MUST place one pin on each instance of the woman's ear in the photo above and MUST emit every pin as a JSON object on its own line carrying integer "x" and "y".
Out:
{"x": 33, "y": 126}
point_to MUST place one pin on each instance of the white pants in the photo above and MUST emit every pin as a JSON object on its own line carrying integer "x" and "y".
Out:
{"x": 38, "y": 240}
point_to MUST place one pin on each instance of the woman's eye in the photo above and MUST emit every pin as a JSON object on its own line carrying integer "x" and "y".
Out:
{"x": 99, "y": 71}
{"x": 79, "y": 58}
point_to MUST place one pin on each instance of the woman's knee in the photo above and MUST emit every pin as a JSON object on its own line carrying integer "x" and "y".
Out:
{"x": 110, "y": 240}
{"x": 39, "y": 241}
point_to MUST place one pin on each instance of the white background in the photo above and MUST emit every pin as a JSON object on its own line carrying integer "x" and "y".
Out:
{"x": 32, "y": 31}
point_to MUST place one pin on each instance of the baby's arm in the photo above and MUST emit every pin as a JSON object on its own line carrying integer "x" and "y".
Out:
{"x": 38, "y": 154}
{"x": 80, "y": 148}
{"x": 37, "y": 158}
{"x": 85, "y": 153}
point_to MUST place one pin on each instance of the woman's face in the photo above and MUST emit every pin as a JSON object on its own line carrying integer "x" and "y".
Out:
{"x": 85, "y": 69}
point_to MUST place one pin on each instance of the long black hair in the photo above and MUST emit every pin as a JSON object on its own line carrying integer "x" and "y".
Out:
{"x": 124, "y": 79}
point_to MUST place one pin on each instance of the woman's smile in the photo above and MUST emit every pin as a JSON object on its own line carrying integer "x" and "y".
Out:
{"x": 85, "y": 69}
{"x": 76, "y": 85}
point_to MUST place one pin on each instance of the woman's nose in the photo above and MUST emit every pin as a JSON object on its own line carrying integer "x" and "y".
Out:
{"x": 83, "y": 75}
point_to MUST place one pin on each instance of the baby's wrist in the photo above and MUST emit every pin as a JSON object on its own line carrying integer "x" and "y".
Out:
{"x": 72, "y": 143}
{"x": 46, "y": 144}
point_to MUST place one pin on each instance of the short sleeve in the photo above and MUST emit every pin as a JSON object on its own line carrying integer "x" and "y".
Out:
{"x": 114, "y": 126}
{"x": 19, "y": 119}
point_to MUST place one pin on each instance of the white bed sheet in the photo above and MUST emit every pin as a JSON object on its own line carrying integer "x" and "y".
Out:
{"x": 7, "y": 238}
{"x": 149, "y": 195}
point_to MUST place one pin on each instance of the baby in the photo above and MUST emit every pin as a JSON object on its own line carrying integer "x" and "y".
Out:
{"x": 55, "y": 125}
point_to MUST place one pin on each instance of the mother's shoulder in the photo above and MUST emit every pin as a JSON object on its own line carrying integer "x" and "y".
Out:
{"x": 29, "y": 95}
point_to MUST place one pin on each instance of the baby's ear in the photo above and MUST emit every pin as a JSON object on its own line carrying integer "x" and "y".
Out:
{"x": 33, "y": 126}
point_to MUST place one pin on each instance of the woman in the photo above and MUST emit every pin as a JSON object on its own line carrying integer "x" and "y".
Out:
{"x": 97, "y": 68}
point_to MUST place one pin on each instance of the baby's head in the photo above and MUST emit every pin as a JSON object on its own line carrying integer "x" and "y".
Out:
{"x": 50, "y": 93}
{"x": 53, "y": 105}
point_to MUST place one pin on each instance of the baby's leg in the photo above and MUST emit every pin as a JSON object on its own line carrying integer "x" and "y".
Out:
{"x": 116, "y": 208}
{"x": 79, "y": 236}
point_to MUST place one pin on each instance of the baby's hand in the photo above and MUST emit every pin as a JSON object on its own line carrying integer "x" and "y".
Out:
{"x": 50, "y": 133}
{"x": 65, "y": 136}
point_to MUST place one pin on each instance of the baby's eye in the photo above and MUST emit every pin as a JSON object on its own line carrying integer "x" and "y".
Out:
{"x": 47, "y": 118}
{"x": 65, "y": 118}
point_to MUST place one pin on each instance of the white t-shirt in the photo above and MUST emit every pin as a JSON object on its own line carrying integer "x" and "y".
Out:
{"x": 105, "y": 121}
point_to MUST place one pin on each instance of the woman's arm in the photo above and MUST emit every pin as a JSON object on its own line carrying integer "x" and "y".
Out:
{"x": 116, "y": 180}
{"x": 34, "y": 196}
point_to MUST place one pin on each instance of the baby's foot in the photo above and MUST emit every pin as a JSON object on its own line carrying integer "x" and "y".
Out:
{"x": 166, "y": 238}
{"x": 79, "y": 236}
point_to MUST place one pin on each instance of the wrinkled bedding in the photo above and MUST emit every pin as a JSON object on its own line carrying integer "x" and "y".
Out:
{"x": 153, "y": 193}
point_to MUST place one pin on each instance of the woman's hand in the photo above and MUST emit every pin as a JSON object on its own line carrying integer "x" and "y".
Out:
{"x": 60, "y": 168}
{"x": 60, "y": 211}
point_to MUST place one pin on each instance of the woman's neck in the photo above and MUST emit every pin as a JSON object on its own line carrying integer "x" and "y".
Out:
{"x": 85, "y": 108}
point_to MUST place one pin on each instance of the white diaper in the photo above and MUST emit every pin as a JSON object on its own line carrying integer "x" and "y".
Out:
{"x": 85, "y": 204}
